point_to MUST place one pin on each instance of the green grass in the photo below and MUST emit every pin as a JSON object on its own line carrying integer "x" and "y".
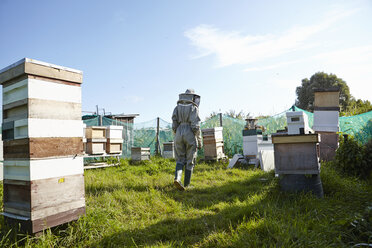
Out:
{"x": 138, "y": 206}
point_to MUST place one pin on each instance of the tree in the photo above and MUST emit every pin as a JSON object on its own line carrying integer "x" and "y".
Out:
{"x": 321, "y": 80}
{"x": 357, "y": 107}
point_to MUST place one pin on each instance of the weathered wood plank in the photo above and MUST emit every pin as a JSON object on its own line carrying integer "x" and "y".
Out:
{"x": 34, "y": 67}
{"x": 95, "y": 132}
{"x": 45, "y": 197}
{"x": 296, "y": 158}
{"x": 33, "y": 148}
{"x": 307, "y": 138}
{"x": 47, "y": 222}
{"x": 42, "y": 109}
{"x": 326, "y": 98}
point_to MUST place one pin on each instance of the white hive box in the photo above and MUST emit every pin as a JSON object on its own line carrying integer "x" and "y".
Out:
{"x": 168, "y": 150}
{"x": 114, "y": 136}
{"x": 96, "y": 140}
{"x": 296, "y": 121}
{"x": 326, "y": 121}
{"x": 140, "y": 153}
{"x": 254, "y": 143}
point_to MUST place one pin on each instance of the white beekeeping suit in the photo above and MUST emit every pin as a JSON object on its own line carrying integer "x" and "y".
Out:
{"x": 186, "y": 125}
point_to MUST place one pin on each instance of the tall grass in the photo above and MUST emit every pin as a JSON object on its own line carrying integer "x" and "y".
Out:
{"x": 136, "y": 205}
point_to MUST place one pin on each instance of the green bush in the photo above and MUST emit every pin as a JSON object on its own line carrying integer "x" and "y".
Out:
{"x": 354, "y": 159}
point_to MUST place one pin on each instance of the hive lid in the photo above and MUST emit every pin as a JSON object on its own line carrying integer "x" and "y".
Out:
{"x": 39, "y": 68}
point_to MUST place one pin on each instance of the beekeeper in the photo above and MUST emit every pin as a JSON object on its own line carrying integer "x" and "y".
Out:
{"x": 186, "y": 126}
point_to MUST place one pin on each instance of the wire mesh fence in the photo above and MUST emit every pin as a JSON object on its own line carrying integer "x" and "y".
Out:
{"x": 144, "y": 134}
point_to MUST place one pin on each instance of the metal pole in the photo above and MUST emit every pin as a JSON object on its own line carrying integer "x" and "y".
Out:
{"x": 220, "y": 114}
{"x": 157, "y": 136}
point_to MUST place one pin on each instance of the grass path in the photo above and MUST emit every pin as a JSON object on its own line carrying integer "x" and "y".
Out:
{"x": 138, "y": 206}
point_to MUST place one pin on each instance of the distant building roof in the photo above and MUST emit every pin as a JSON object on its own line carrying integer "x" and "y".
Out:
{"x": 123, "y": 116}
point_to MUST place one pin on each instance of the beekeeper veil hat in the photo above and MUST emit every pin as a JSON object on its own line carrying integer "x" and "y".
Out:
{"x": 189, "y": 97}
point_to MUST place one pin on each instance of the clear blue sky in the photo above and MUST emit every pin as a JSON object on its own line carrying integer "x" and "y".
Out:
{"x": 137, "y": 56}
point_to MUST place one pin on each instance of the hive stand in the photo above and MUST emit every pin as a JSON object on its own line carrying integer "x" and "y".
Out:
{"x": 43, "y": 146}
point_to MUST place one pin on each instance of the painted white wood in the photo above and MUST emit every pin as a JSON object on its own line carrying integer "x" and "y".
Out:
{"x": 297, "y": 120}
{"x": 41, "y": 89}
{"x": 114, "y": 132}
{"x": 1, "y": 171}
{"x": 115, "y": 141}
{"x": 255, "y": 143}
{"x": 44, "y": 168}
{"x": 45, "y": 128}
{"x": 267, "y": 160}
{"x": 327, "y": 121}
{"x": 251, "y": 138}
{"x": 34, "y": 61}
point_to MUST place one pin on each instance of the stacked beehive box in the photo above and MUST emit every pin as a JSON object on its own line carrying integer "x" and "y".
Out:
{"x": 297, "y": 161}
{"x": 43, "y": 148}
{"x": 254, "y": 144}
{"x": 168, "y": 149}
{"x": 96, "y": 140}
{"x": 326, "y": 120}
{"x": 213, "y": 143}
{"x": 114, "y": 143}
{"x": 140, "y": 153}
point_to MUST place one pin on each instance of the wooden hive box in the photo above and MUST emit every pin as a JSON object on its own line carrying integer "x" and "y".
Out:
{"x": 214, "y": 151}
{"x": 212, "y": 135}
{"x": 327, "y": 98}
{"x": 168, "y": 149}
{"x": 96, "y": 140}
{"x": 296, "y": 154}
{"x": 140, "y": 153}
{"x": 43, "y": 145}
{"x": 213, "y": 143}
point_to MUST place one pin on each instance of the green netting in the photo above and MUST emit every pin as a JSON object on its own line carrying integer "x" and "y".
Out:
{"x": 144, "y": 134}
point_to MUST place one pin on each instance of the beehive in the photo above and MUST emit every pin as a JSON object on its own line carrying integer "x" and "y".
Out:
{"x": 43, "y": 146}
{"x": 326, "y": 121}
{"x": 140, "y": 153}
{"x": 213, "y": 143}
{"x": 114, "y": 136}
{"x": 96, "y": 140}
{"x": 296, "y": 154}
{"x": 168, "y": 150}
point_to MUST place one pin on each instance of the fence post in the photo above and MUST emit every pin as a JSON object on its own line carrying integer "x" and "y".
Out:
{"x": 157, "y": 136}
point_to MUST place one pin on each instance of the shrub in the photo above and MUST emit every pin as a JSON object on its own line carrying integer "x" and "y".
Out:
{"x": 354, "y": 159}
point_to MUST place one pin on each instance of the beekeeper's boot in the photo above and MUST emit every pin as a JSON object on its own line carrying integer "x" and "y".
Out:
{"x": 187, "y": 180}
{"x": 178, "y": 176}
